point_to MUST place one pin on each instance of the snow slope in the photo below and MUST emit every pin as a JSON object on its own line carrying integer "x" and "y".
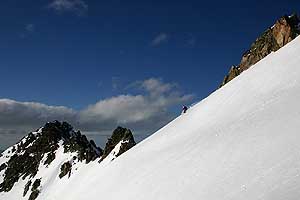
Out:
{"x": 242, "y": 142}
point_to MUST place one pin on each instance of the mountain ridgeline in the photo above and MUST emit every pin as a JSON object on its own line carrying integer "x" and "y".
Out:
{"x": 56, "y": 145}
{"x": 282, "y": 32}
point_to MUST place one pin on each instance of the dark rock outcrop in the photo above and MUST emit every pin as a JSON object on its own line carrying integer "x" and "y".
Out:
{"x": 35, "y": 189}
{"x": 284, "y": 30}
{"x": 87, "y": 150}
{"x": 65, "y": 169}
{"x": 120, "y": 134}
{"x": 3, "y": 166}
{"x": 26, "y": 188}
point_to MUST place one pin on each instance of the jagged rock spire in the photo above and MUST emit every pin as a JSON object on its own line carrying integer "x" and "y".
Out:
{"x": 122, "y": 136}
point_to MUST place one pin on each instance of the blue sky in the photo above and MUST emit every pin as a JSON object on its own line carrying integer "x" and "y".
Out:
{"x": 77, "y": 53}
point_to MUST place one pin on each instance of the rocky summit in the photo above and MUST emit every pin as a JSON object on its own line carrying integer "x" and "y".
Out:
{"x": 121, "y": 136}
{"x": 282, "y": 32}
{"x": 54, "y": 146}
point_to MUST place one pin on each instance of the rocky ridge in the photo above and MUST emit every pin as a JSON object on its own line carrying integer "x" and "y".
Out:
{"x": 282, "y": 32}
{"x": 122, "y": 139}
{"x": 39, "y": 149}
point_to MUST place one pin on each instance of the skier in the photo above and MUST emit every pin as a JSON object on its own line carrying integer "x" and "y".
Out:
{"x": 184, "y": 109}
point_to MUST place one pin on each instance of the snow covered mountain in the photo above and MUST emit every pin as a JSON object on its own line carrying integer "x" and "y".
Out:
{"x": 241, "y": 142}
{"x": 51, "y": 154}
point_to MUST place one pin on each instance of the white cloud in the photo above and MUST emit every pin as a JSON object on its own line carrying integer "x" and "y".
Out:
{"x": 156, "y": 87}
{"x": 159, "y": 39}
{"x": 143, "y": 113}
{"x": 19, "y": 118}
{"x": 147, "y": 111}
{"x": 29, "y": 114}
{"x": 77, "y": 6}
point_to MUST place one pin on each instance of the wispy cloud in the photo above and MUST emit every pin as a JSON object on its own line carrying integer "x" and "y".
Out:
{"x": 27, "y": 30}
{"x": 77, "y": 6}
{"x": 159, "y": 39}
{"x": 191, "y": 42}
{"x": 30, "y": 28}
{"x": 115, "y": 82}
{"x": 144, "y": 112}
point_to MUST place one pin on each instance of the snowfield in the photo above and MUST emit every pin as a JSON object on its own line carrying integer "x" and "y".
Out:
{"x": 240, "y": 143}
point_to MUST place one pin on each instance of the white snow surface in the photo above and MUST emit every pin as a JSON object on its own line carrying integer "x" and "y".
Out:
{"x": 241, "y": 142}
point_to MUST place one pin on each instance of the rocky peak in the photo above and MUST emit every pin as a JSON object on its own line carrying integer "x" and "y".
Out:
{"x": 39, "y": 148}
{"x": 59, "y": 142}
{"x": 286, "y": 29}
{"x": 122, "y": 139}
{"x": 282, "y": 32}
